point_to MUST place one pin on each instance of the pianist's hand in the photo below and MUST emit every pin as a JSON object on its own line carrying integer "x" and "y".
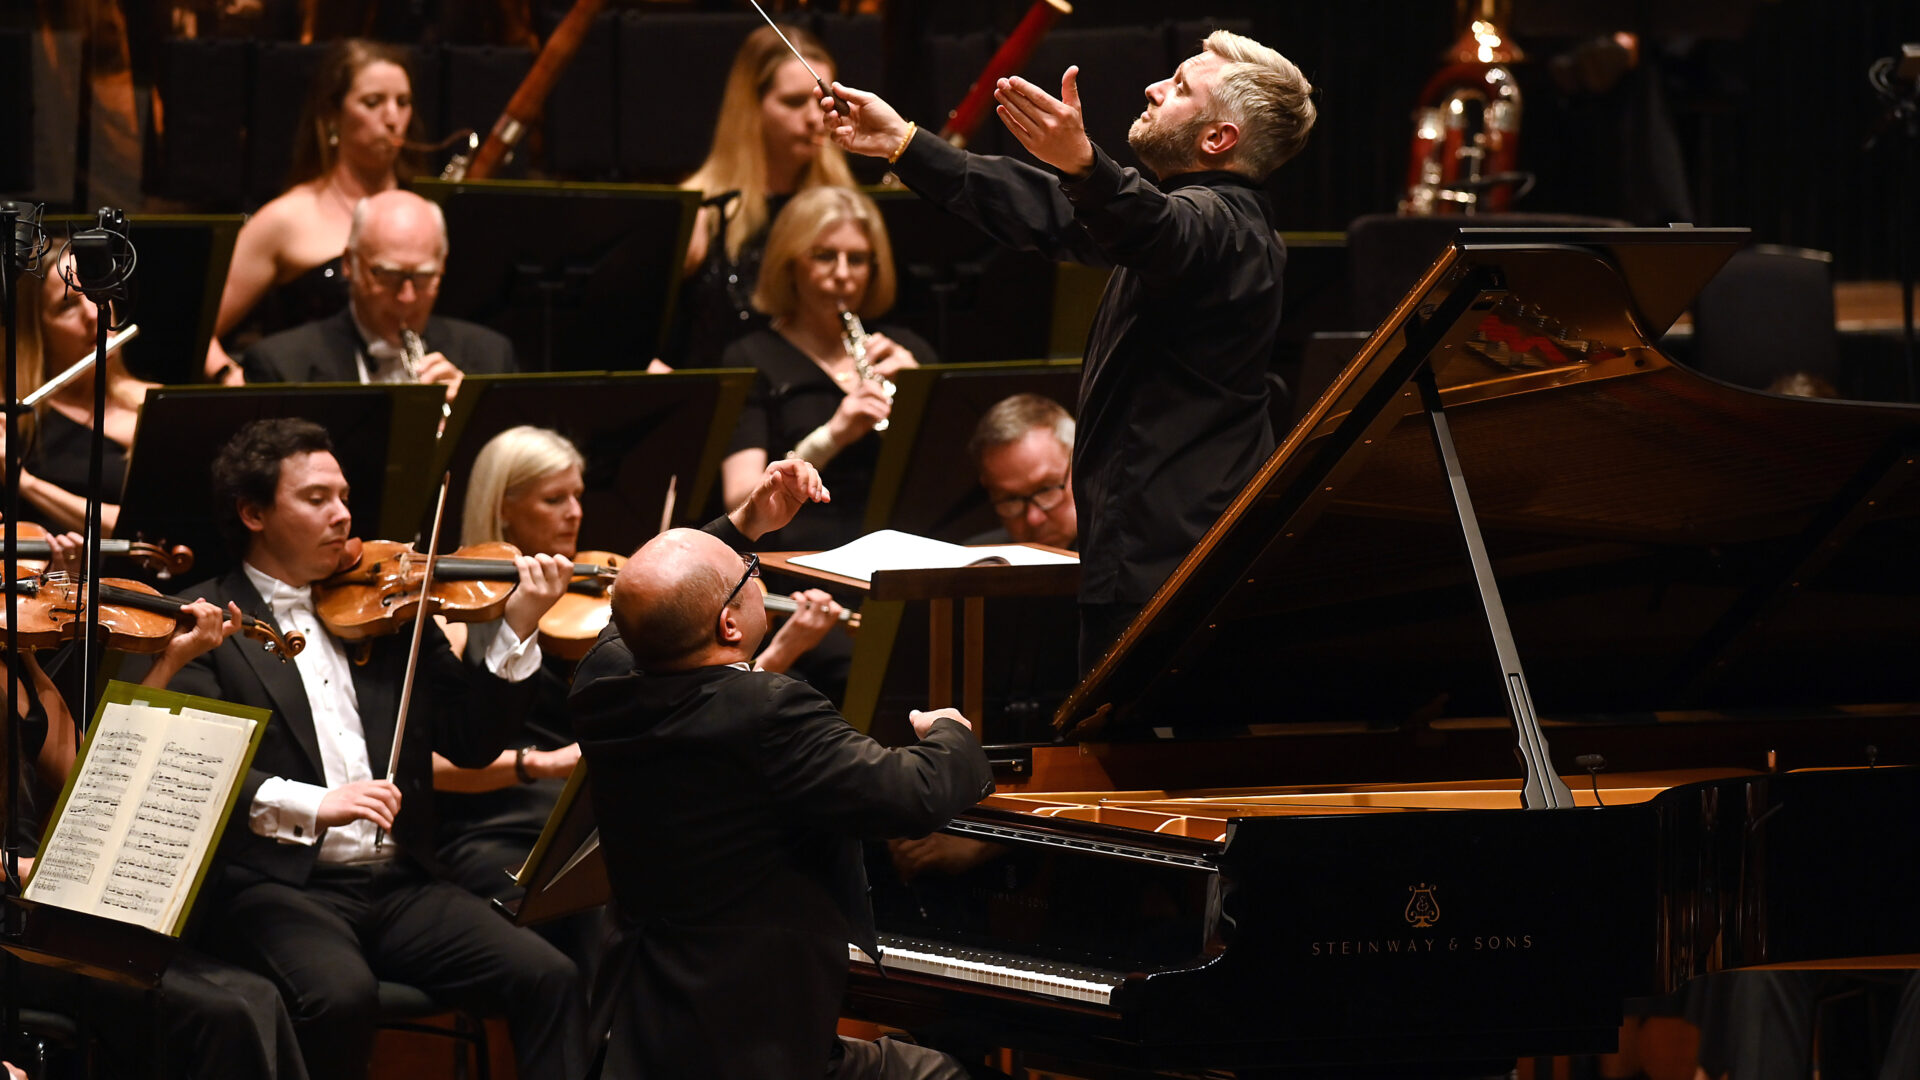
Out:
{"x": 923, "y": 721}
{"x": 782, "y": 490}
{"x": 377, "y": 801}
{"x": 939, "y": 853}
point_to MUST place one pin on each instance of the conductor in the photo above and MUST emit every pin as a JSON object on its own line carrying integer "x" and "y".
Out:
{"x": 1173, "y": 401}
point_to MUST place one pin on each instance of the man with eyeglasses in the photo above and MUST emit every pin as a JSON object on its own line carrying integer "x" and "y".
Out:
{"x": 396, "y": 254}
{"x": 732, "y": 803}
{"x": 1022, "y": 449}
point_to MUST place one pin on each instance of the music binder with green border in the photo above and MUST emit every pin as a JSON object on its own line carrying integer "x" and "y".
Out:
{"x": 161, "y": 847}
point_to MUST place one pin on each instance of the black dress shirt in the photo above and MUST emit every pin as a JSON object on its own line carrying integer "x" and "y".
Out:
{"x": 1172, "y": 417}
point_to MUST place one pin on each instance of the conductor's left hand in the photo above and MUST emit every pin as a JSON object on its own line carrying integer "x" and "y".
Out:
{"x": 1051, "y": 128}
{"x": 784, "y": 488}
{"x": 543, "y": 580}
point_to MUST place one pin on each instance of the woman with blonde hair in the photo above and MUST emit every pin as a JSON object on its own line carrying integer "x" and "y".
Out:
{"x": 57, "y": 327}
{"x": 826, "y": 253}
{"x": 350, "y": 143}
{"x": 769, "y": 142}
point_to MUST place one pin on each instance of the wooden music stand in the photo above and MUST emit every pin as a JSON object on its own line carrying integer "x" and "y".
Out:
{"x": 940, "y": 587}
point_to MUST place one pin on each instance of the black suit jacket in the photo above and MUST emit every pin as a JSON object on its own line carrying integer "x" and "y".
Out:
{"x": 731, "y": 805}
{"x": 463, "y": 712}
{"x": 324, "y": 350}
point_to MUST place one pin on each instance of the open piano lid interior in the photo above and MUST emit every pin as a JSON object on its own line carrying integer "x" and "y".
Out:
{"x": 1660, "y": 540}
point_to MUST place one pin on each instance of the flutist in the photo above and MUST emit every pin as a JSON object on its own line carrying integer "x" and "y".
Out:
{"x": 396, "y": 255}
{"x": 1173, "y": 403}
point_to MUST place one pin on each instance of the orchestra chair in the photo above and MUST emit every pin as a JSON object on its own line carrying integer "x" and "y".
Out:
{"x": 404, "y": 1008}
{"x": 1387, "y": 253}
{"x": 49, "y": 1036}
{"x": 1768, "y": 313}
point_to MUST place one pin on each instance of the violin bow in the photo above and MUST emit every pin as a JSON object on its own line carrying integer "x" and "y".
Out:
{"x": 420, "y": 618}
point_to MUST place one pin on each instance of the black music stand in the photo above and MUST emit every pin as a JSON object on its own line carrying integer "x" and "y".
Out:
{"x": 972, "y": 298}
{"x": 380, "y": 434}
{"x": 635, "y": 431}
{"x": 175, "y": 291}
{"x": 916, "y": 486}
{"x": 582, "y": 277}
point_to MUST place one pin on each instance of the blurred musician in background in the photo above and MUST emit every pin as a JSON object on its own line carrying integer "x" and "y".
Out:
{"x": 57, "y": 327}
{"x": 1022, "y": 449}
{"x": 1173, "y": 404}
{"x": 396, "y": 253}
{"x": 525, "y": 489}
{"x": 358, "y": 114}
{"x": 731, "y": 803}
{"x": 769, "y": 142}
{"x": 827, "y": 253}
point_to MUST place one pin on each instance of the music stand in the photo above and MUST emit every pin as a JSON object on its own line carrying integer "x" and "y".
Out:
{"x": 380, "y": 435}
{"x": 175, "y": 291}
{"x": 916, "y": 488}
{"x": 635, "y": 431}
{"x": 582, "y": 277}
{"x": 974, "y": 299}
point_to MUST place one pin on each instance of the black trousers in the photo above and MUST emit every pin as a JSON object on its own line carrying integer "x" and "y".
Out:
{"x": 328, "y": 945}
{"x": 210, "y": 1018}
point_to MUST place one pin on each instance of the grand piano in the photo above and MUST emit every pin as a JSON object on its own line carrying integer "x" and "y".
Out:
{"x": 1533, "y": 672}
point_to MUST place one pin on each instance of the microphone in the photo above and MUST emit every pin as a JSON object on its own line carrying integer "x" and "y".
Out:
{"x": 29, "y": 236}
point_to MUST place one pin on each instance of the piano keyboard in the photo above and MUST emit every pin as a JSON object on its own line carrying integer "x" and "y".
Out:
{"x": 1005, "y": 970}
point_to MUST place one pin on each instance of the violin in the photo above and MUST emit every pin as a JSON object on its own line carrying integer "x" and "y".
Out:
{"x": 378, "y": 590}
{"x": 162, "y": 558}
{"x": 573, "y": 623}
{"x": 135, "y": 617}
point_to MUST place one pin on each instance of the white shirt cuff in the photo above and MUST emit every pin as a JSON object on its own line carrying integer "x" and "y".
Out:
{"x": 511, "y": 658}
{"x": 286, "y": 810}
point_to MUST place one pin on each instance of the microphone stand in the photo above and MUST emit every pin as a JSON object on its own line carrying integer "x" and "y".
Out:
{"x": 101, "y": 274}
{"x": 17, "y": 260}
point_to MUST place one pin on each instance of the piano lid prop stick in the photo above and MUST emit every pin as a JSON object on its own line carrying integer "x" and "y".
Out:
{"x": 54, "y": 384}
{"x": 413, "y": 651}
{"x": 825, "y": 90}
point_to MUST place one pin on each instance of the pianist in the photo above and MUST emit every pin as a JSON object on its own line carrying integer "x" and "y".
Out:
{"x": 731, "y": 803}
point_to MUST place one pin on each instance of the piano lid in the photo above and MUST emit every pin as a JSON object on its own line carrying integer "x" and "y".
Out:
{"x": 1661, "y": 540}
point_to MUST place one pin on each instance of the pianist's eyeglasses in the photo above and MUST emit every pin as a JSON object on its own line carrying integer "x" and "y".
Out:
{"x": 1045, "y": 500}
{"x": 753, "y": 571}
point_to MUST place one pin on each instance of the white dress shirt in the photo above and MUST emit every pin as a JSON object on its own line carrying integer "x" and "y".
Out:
{"x": 286, "y": 809}
{"x": 378, "y": 360}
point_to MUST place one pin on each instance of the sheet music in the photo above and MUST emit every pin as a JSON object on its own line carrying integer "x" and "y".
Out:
{"x": 890, "y": 549}
{"x": 143, "y": 814}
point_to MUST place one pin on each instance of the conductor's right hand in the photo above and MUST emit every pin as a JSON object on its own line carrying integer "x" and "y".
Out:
{"x": 377, "y": 801}
{"x": 864, "y": 406}
{"x": 862, "y": 123}
{"x": 923, "y": 721}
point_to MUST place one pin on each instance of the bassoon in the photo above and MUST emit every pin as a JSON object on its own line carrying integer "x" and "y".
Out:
{"x": 1012, "y": 55}
{"x": 527, "y": 101}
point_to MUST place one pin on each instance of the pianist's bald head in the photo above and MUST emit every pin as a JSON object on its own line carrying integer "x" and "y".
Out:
{"x": 667, "y": 604}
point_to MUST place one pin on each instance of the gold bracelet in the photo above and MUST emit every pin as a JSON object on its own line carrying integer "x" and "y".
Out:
{"x": 904, "y": 140}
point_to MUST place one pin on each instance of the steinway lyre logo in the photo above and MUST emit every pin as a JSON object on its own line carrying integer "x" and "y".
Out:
{"x": 1423, "y": 910}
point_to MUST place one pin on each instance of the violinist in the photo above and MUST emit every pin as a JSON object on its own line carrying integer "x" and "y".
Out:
{"x": 57, "y": 327}
{"x": 305, "y": 890}
{"x": 768, "y": 144}
{"x": 287, "y": 258}
{"x": 386, "y": 332}
{"x": 216, "y": 1019}
{"x": 525, "y": 489}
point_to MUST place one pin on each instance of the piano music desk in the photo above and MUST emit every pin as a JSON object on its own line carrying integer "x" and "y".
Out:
{"x": 940, "y": 587}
